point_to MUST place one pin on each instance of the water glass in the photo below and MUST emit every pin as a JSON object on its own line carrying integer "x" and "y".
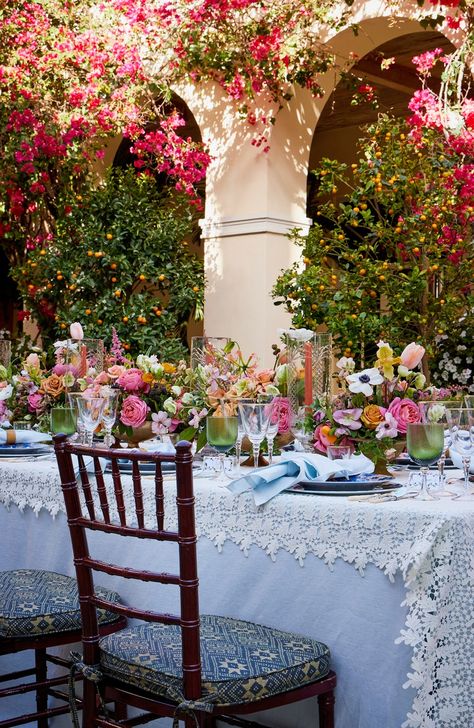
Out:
{"x": 90, "y": 411}
{"x": 339, "y": 452}
{"x": 302, "y": 432}
{"x": 63, "y": 420}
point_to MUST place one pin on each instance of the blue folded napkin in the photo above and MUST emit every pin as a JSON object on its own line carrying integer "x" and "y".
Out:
{"x": 265, "y": 483}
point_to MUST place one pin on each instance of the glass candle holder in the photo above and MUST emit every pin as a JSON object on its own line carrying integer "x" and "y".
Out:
{"x": 5, "y": 352}
{"x": 309, "y": 368}
{"x": 84, "y": 355}
{"x": 205, "y": 349}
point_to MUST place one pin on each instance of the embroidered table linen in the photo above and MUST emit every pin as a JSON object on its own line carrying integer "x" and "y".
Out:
{"x": 430, "y": 544}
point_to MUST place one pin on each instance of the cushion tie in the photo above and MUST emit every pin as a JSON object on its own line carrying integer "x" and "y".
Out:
{"x": 89, "y": 672}
{"x": 188, "y": 707}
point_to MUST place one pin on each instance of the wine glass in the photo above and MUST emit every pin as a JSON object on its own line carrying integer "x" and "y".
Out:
{"x": 90, "y": 411}
{"x": 256, "y": 417}
{"x": 63, "y": 420}
{"x": 222, "y": 435}
{"x": 72, "y": 399}
{"x": 425, "y": 443}
{"x": 461, "y": 422}
{"x": 435, "y": 411}
{"x": 273, "y": 425}
{"x": 109, "y": 415}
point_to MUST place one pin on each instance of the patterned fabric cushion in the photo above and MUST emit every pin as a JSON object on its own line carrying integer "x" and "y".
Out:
{"x": 35, "y": 602}
{"x": 241, "y": 662}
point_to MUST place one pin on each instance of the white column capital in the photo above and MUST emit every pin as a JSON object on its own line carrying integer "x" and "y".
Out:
{"x": 232, "y": 227}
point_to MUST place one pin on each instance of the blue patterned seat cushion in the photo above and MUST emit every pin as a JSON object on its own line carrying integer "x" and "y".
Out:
{"x": 35, "y": 602}
{"x": 242, "y": 662}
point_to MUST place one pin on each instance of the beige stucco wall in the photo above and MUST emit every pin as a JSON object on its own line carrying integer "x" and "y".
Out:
{"x": 253, "y": 199}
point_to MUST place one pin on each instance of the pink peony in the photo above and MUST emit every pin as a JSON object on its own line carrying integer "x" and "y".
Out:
{"x": 404, "y": 411}
{"x": 134, "y": 411}
{"x": 35, "y": 403}
{"x": 132, "y": 381}
{"x": 412, "y": 355}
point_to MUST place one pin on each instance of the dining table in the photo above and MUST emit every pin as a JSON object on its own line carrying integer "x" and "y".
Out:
{"x": 387, "y": 585}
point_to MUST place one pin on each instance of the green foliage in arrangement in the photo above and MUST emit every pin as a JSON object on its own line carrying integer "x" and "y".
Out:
{"x": 120, "y": 257}
{"x": 393, "y": 258}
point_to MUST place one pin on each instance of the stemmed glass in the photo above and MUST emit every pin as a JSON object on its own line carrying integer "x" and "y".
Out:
{"x": 461, "y": 422}
{"x": 425, "y": 443}
{"x": 299, "y": 428}
{"x": 222, "y": 434}
{"x": 73, "y": 398}
{"x": 273, "y": 425}
{"x": 256, "y": 417}
{"x": 90, "y": 411}
{"x": 109, "y": 415}
{"x": 435, "y": 411}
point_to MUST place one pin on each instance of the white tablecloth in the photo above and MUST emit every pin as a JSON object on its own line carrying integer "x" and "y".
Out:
{"x": 388, "y": 587}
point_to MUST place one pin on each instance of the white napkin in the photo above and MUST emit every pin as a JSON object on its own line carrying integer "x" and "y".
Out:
{"x": 163, "y": 448}
{"x": 456, "y": 457}
{"x": 12, "y": 436}
{"x": 265, "y": 483}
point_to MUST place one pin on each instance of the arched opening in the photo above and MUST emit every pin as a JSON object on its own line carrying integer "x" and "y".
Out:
{"x": 124, "y": 158}
{"x": 339, "y": 125}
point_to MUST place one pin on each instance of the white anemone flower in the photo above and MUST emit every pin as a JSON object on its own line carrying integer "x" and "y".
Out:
{"x": 364, "y": 381}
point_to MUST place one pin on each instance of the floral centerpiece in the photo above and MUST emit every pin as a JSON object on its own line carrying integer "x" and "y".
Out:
{"x": 373, "y": 407}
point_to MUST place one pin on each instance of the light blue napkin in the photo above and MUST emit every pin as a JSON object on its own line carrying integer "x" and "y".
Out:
{"x": 265, "y": 483}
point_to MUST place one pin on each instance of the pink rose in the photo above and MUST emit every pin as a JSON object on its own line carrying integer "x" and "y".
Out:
{"x": 284, "y": 415}
{"x": 116, "y": 371}
{"x": 76, "y": 332}
{"x": 132, "y": 381}
{"x": 404, "y": 411}
{"x": 33, "y": 361}
{"x": 412, "y": 355}
{"x": 35, "y": 403}
{"x": 102, "y": 378}
{"x": 323, "y": 438}
{"x": 134, "y": 411}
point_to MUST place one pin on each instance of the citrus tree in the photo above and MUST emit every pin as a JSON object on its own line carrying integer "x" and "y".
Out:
{"x": 120, "y": 257}
{"x": 394, "y": 258}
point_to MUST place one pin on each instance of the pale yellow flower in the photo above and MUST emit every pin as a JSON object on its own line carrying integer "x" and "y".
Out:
{"x": 386, "y": 360}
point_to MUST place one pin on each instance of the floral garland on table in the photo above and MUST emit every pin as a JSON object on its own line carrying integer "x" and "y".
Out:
{"x": 373, "y": 407}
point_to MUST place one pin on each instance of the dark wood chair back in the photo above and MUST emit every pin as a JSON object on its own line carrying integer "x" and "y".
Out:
{"x": 99, "y": 504}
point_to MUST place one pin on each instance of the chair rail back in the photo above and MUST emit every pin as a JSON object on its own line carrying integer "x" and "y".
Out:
{"x": 99, "y": 504}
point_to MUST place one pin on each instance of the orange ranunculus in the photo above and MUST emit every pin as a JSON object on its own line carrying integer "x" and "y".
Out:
{"x": 372, "y": 416}
{"x": 53, "y": 385}
{"x": 148, "y": 377}
{"x": 168, "y": 368}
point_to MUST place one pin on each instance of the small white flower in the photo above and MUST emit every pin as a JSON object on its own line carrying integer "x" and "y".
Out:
{"x": 296, "y": 334}
{"x": 364, "y": 381}
{"x": 6, "y": 392}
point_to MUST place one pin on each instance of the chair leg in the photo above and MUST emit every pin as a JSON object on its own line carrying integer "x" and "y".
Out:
{"x": 41, "y": 693}
{"x": 326, "y": 709}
